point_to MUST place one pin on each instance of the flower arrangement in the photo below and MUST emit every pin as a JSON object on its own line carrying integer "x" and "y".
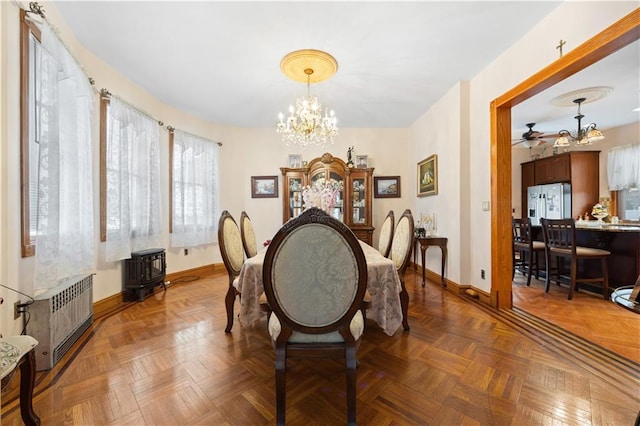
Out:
{"x": 322, "y": 194}
{"x": 599, "y": 210}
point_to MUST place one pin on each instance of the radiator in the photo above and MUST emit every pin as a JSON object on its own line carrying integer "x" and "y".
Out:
{"x": 59, "y": 316}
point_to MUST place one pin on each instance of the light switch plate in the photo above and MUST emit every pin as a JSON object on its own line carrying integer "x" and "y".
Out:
{"x": 485, "y": 206}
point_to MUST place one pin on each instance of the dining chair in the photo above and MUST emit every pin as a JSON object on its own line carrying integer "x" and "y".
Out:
{"x": 401, "y": 246}
{"x": 230, "y": 243}
{"x": 525, "y": 251}
{"x": 248, "y": 235}
{"x": 315, "y": 277}
{"x": 19, "y": 352}
{"x": 386, "y": 234}
{"x": 560, "y": 242}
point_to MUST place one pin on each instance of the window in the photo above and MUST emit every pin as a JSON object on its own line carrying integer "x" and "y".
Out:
{"x": 30, "y": 107}
{"x": 194, "y": 189}
{"x": 130, "y": 204}
{"x": 629, "y": 204}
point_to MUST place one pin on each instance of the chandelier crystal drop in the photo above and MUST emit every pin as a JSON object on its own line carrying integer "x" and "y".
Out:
{"x": 308, "y": 124}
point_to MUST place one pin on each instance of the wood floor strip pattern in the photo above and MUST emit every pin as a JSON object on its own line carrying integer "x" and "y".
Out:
{"x": 620, "y": 372}
{"x": 444, "y": 394}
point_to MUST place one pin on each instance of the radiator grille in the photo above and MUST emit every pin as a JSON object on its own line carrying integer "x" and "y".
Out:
{"x": 59, "y": 317}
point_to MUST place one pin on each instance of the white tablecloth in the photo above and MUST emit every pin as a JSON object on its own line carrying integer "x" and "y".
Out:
{"x": 383, "y": 284}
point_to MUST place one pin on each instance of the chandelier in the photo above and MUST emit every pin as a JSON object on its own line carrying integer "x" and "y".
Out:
{"x": 584, "y": 136}
{"x": 308, "y": 124}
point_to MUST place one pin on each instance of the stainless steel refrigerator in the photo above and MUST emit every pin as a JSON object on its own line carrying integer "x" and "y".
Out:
{"x": 551, "y": 201}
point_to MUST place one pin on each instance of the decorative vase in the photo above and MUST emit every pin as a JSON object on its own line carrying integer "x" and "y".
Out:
{"x": 600, "y": 216}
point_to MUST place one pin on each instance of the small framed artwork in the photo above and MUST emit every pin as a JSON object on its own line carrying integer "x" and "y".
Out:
{"x": 386, "y": 186}
{"x": 428, "y": 176}
{"x": 295, "y": 161}
{"x": 361, "y": 161}
{"x": 264, "y": 186}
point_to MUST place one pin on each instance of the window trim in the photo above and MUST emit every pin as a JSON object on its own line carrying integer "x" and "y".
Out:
{"x": 104, "y": 105}
{"x": 28, "y": 246}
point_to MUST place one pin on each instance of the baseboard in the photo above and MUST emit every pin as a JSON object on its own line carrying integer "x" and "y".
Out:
{"x": 117, "y": 301}
{"x": 454, "y": 287}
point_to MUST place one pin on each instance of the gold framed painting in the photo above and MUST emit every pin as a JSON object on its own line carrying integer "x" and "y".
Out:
{"x": 428, "y": 176}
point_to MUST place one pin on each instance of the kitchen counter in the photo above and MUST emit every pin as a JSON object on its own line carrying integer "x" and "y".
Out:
{"x": 622, "y": 240}
{"x": 593, "y": 225}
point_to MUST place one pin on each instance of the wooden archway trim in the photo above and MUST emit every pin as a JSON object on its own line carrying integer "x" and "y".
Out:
{"x": 612, "y": 39}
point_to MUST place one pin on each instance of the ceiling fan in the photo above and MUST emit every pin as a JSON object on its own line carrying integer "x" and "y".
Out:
{"x": 530, "y": 138}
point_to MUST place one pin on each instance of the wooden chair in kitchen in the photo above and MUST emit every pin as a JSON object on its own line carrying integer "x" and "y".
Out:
{"x": 526, "y": 252}
{"x": 401, "y": 246}
{"x": 315, "y": 277}
{"x": 560, "y": 243}
{"x": 248, "y": 235}
{"x": 386, "y": 234}
{"x": 231, "y": 250}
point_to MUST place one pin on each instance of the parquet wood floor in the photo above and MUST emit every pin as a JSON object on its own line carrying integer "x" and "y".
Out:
{"x": 167, "y": 361}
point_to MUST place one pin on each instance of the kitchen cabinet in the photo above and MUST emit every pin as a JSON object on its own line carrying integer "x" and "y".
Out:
{"x": 579, "y": 168}
{"x": 353, "y": 205}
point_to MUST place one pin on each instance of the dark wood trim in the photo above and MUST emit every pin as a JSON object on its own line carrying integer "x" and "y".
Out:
{"x": 612, "y": 39}
{"x": 26, "y": 29}
{"x": 171, "y": 133}
{"x": 104, "y": 109}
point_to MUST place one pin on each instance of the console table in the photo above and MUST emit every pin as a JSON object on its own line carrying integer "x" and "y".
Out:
{"x": 425, "y": 243}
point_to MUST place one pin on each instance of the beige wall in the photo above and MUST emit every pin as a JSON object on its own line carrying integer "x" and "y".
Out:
{"x": 456, "y": 128}
{"x": 513, "y": 66}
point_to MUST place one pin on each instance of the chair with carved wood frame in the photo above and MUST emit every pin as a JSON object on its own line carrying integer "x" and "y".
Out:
{"x": 248, "y": 235}
{"x": 386, "y": 234}
{"x": 401, "y": 247}
{"x": 527, "y": 250}
{"x": 315, "y": 277}
{"x": 19, "y": 352}
{"x": 231, "y": 250}
{"x": 560, "y": 242}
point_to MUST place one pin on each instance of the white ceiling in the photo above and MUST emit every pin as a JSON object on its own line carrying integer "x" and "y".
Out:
{"x": 221, "y": 60}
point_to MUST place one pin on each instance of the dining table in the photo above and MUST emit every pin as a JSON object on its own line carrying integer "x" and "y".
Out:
{"x": 383, "y": 285}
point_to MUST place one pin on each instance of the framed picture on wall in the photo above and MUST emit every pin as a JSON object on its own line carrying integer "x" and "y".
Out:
{"x": 295, "y": 161}
{"x": 386, "y": 186}
{"x": 362, "y": 161}
{"x": 264, "y": 186}
{"x": 428, "y": 176}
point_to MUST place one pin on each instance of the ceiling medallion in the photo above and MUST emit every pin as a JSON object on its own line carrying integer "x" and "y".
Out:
{"x": 590, "y": 94}
{"x": 308, "y": 124}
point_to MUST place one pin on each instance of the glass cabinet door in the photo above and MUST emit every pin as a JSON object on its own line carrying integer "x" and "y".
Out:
{"x": 359, "y": 201}
{"x": 296, "y": 203}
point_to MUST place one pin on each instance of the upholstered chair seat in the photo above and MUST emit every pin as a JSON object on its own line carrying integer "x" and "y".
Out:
{"x": 315, "y": 277}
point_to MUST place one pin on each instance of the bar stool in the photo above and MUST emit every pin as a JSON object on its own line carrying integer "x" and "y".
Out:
{"x": 528, "y": 251}
{"x": 559, "y": 238}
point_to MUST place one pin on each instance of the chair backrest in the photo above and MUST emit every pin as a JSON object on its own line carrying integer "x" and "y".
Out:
{"x": 314, "y": 275}
{"x": 230, "y": 244}
{"x": 402, "y": 242}
{"x": 248, "y": 235}
{"x": 521, "y": 231}
{"x": 386, "y": 234}
{"x": 559, "y": 233}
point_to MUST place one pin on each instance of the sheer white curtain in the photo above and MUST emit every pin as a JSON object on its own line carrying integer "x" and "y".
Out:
{"x": 623, "y": 167}
{"x": 134, "y": 216}
{"x": 195, "y": 190}
{"x": 65, "y": 232}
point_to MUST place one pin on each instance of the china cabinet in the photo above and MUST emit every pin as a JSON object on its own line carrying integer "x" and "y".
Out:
{"x": 352, "y": 203}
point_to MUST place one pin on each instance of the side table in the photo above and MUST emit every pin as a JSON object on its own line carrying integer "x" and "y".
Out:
{"x": 425, "y": 243}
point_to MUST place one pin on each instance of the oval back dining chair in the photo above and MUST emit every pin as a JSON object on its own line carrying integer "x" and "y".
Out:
{"x": 315, "y": 277}
{"x": 230, "y": 243}
{"x": 248, "y": 235}
{"x": 400, "y": 253}
{"x": 386, "y": 234}
{"x": 560, "y": 242}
